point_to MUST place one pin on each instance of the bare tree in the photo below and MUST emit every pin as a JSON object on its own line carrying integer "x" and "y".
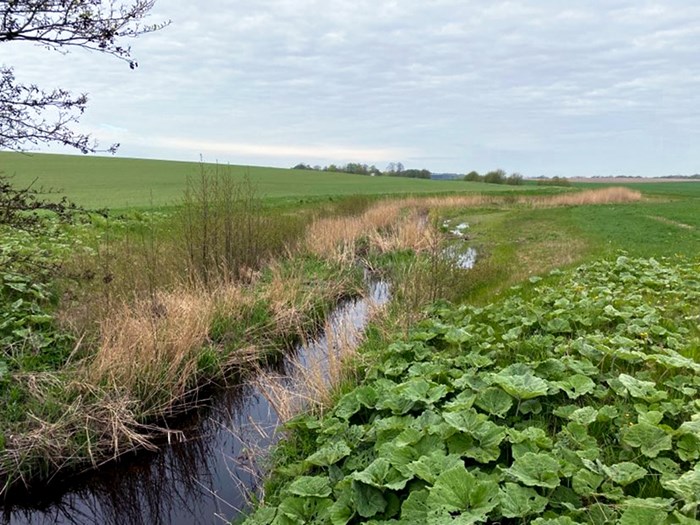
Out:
{"x": 30, "y": 115}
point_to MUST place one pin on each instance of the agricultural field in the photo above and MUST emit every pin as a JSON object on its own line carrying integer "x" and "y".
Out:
{"x": 106, "y": 182}
{"x": 499, "y": 377}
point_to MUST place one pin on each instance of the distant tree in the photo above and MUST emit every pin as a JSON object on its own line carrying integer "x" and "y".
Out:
{"x": 390, "y": 168}
{"x": 515, "y": 179}
{"x": 495, "y": 177}
{"x": 554, "y": 181}
{"x": 30, "y": 115}
{"x": 399, "y": 167}
{"x": 302, "y": 166}
{"x": 414, "y": 174}
{"x": 473, "y": 176}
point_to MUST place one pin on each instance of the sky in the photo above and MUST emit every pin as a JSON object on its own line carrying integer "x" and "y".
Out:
{"x": 539, "y": 87}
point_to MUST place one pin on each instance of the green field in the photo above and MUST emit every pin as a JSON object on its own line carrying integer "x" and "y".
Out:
{"x": 108, "y": 182}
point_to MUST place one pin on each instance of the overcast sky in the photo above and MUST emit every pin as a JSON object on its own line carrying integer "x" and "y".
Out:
{"x": 542, "y": 87}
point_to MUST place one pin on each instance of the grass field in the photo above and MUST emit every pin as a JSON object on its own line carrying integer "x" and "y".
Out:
{"x": 107, "y": 182}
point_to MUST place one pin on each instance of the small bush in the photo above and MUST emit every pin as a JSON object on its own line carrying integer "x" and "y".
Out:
{"x": 554, "y": 181}
{"x": 495, "y": 177}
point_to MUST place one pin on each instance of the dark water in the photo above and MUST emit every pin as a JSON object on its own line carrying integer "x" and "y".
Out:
{"x": 208, "y": 479}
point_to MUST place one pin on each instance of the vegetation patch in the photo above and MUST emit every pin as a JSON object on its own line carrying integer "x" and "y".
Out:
{"x": 572, "y": 400}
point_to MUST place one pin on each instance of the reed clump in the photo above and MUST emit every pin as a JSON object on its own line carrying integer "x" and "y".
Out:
{"x": 613, "y": 195}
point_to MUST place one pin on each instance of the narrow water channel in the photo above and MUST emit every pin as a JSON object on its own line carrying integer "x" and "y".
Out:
{"x": 208, "y": 478}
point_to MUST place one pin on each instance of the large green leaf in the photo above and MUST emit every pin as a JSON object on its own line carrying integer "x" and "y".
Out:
{"x": 428, "y": 468}
{"x": 457, "y": 490}
{"x": 520, "y": 382}
{"x": 381, "y": 474}
{"x": 641, "y": 389}
{"x": 642, "y": 511}
{"x": 369, "y": 501}
{"x": 586, "y": 483}
{"x": 624, "y": 473}
{"x": 310, "y": 486}
{"x": 687, "y": 488}
{"x": 649, "y": 438}
{"x": 329, "y": 454}
{"x": 415, "y": 508}
{"x": 536, "y": 470}
{"x": 577, "y": 386}
{"x": 519, "y": 502}
{"x": 494, "y": 401}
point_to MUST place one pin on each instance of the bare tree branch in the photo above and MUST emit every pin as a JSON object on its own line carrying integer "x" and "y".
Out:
{"x": 30, "y": 115}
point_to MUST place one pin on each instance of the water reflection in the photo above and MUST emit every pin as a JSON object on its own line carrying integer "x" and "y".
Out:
{"x": 208, "y": 478}
{"x": 464, "y": 259}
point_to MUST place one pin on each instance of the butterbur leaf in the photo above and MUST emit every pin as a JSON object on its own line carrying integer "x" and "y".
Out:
{"x": 585, "y": 416}
{"x": 341, "y": 512}
{"x": 641, "y": 389}
{"x": 519, "y": 502}
{"x": 381, "y": 474}
{"x": 494, "y": 401}
{"x": 687, "y": 488}
{"x": 577, "y": 386}
{"x": 415, "y": 508}
{"x": 368, "y": 500}
{"x": 348, "y": 405}
{"x": 457, "y": 490}
{"x": 310, "y": 486}
{"x": 457, "y": 336}
{"x": 298, "y": 511}
{"x": 428, "y": 468}
{"x": 330, "y": 454}
{"x": 536, "y": 470}
{"x": 558, "y": 326}
{"x": 688, "y": 447}
{"x": 480, "y": 438}
{"x": 561, "y": 520}
{"x": 263, "y": 516}
{"x": 650, "y": 439}
{"x": 624, "y": 473}
{"x": 666, "y": 466}
{"x": 520, "y": 382}
{"x": 585, "y": 482}
{"x": 649, "y": 510}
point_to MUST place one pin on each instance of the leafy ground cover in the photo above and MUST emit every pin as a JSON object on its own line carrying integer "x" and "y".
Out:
{"x": 571, "y": 400}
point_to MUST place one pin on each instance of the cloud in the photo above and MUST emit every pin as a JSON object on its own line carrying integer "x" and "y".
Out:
{"x": 277, "y": 150}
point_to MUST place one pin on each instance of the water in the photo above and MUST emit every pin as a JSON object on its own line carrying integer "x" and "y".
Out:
{"x": 208, "y": 478}
{"x": 464, "y": 259}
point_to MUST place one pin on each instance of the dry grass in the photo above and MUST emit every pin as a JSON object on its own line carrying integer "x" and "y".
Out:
{"x": 395, "y": 225}
{"x": 153, "y": 342}
{"x": 336, "y": 238}
{"x": 104, "y": 424}
{"x": 599, "y": 196}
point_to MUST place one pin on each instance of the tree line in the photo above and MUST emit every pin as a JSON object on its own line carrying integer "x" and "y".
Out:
{"x": 495, "y": 177}
{"x": 392, "y": 170}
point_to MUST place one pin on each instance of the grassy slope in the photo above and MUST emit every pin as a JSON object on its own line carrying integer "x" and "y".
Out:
{"x": 136, "y": 183}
